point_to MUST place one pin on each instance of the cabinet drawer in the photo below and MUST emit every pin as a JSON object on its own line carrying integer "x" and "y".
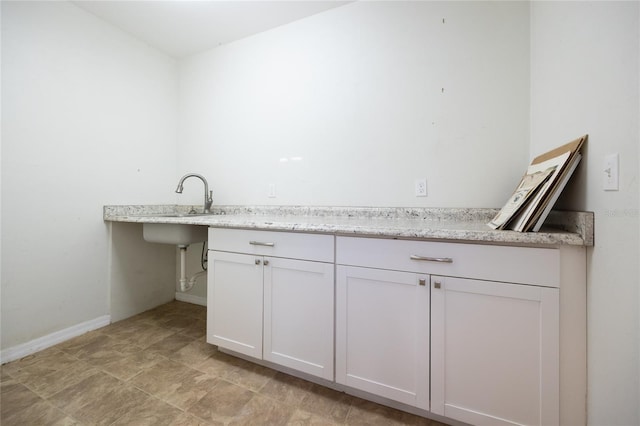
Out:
{"x": 277, "y": 244}
{"x": 524, "y": 265}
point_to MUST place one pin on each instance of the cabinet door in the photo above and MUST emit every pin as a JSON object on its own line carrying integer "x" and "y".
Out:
{"x": 298, "y": 315}
{"x": 382, "y": 333}
{"x": 494, "y": 352}
{"x": 234, "y": 302}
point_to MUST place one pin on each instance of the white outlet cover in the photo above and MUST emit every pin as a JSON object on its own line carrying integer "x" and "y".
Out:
{"x": 420, "y": 186}
{"x": 611, "y": 172}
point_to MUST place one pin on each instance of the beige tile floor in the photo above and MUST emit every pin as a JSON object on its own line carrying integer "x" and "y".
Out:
{"x": 156, "y": 369}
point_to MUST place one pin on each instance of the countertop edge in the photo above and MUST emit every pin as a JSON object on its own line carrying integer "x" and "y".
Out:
{"x": 462, "y": 225}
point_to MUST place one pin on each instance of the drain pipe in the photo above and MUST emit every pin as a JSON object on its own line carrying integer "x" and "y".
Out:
{"x": 183, "y": 269}
{"x": 186, "y": 284}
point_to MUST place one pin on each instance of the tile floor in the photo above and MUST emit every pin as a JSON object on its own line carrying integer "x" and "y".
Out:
{"x": 156, "y": 369}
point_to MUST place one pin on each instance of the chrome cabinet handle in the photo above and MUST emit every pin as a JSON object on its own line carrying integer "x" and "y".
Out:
{"x": 266, "y": 263}
{"x": 257, "y": 261}
{"x": 431, "y": 259}
{"x": 260, "y": 243}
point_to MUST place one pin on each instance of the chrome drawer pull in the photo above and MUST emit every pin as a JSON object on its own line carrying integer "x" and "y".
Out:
{"x": 431, "y": 259}
{"x": 259, "y": 243}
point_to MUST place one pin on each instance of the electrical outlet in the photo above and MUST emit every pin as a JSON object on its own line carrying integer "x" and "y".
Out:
{"x": 421, "y": 187}
{"x": 271, "y": 190}
{"x": 611, "y": 169}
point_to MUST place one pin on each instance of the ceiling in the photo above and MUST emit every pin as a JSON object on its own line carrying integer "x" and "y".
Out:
{"x": 184, "y": 27}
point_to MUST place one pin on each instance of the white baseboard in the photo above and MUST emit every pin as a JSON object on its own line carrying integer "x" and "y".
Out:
{"x": 189, "y": 298}
{"x": 44, "y": 342}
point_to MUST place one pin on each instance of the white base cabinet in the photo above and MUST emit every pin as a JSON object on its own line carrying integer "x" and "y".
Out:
{"x": 235, "y": 303}
{"x": 382, "y": 333}
{"x": 298, "y": 315}
{"x": 273, "y": 308}
{"x": 470, "y": 332}
{"x": 494, "y": 352}
{"x": 490, "y": 314}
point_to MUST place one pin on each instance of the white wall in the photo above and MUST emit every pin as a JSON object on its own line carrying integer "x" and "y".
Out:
{"x": 585, "y": 77}
{"x": 88, "y": 118}
{"x": 370, "y": 96}
{"x": 142, "y": 274}
{"x": 357, "y": 93}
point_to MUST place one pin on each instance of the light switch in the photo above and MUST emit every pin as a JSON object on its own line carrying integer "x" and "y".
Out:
{"x": 611, "y": 172}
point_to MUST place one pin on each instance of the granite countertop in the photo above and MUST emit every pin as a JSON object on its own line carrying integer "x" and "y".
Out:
{"x": 450, "y": 224}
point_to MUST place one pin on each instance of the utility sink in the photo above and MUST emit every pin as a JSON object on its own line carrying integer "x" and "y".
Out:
{"x": 174, "y": 233}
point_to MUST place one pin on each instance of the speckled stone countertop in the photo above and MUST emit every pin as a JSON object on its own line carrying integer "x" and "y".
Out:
{"x": 450, "y": 224}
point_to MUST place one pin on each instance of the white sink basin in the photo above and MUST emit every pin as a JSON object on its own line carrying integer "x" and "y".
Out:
{"x": 174, "y": 233}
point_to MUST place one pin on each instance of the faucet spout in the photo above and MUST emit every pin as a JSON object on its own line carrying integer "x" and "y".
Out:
{"x": 208, "y": 195}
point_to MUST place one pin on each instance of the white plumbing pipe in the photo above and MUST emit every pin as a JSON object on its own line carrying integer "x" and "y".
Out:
{"x": 186, "y": 284}
{"x": 193, "y": 279}
{"x": 183, "y": 269}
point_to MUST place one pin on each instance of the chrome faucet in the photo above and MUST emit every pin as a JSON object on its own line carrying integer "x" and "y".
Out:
{"x": 208, "y": 195}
